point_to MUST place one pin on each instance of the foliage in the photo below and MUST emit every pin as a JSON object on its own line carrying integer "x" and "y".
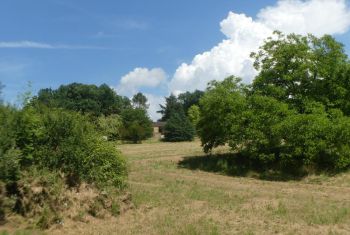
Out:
{"x": 88, "y": 99}
{"x": 272, "y": 131}
{"x": 294, "y": 68}
{"x": 172, "y": 106}
{"x": 193, "y": 114}
{"x": 140, "y": 101}
{"x": 315, "y": 139}
{"x": 1, "y": 87}
{"x": 110, "y": 126}
{"x": 178, "y": 128}
{"x": 180, "y": 104}
{"x": 137, "y": 126}
{"x": 10, "y": 166}
{"x": 43, "y": 151}
{"x": 9, "y": 155}
{"x": 59, "y": 140}
{"x": 189, "y": 99}
{"x": 220, "y": 109}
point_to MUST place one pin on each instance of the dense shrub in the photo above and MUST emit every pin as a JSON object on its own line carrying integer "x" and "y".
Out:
{"x": 110, "y": 126}
{"x": 9, "y": 155}
{"x": 272, "y": 132}
{"x": 69, "y": 143}
{"x": 315, "y": 139}
{"x": 59, "y": 140}
{"x": 43, "y": 152}
{"x": 137, "y": 126}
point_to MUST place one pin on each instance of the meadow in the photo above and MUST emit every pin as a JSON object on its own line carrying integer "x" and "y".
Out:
{"x": 171, "y": 197}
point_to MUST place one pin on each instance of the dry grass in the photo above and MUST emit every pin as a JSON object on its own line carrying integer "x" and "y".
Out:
{"x": 173, "y": 200}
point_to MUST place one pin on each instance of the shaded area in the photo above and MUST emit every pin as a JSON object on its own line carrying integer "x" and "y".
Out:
{"x": 240, "y": 165}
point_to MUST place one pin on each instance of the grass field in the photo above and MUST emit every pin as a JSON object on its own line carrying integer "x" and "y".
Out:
{"x": 172, "y": 197}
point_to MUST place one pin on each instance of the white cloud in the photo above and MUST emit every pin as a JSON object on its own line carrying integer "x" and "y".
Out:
{"x": 315, "y": 16}
{"x": 25, "y": 44}
{"x": 40, "y": 45}
{"x": 244, "y": 35}
{"x": 141, "y": 78}
{"x": 154, "y": 101}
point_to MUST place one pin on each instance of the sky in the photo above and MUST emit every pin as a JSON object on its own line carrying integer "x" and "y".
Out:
{"x": 157, "y": 47}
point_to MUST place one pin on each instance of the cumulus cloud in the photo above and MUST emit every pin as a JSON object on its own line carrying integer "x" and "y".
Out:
{"x": 144, "y": 78}
{"x": 140, "y": 78}
{"x": 154, "y": 101}
{"x": 244, "y": 35}
{"x": 316, "y": 16}
{"x": 40, "y": 45}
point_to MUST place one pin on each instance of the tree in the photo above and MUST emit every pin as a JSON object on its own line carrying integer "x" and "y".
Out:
{"x": 178, "y": 128}
{"x": 194, "y": 114}
{"x": 189, "y": 99}
{"x": 294, "y": 68}
{"x": 140, "y": 101}
{"x": 137, "y": 126}
{"x": 87, "y": 99}
{"x": 221, "y": 108}
{"x": 1, "y": 87}
{"x": 293, "y": 114}
{"x": 172, "y": 106}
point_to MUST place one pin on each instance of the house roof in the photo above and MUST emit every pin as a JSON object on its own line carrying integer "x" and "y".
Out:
{"x": 159, "y": 124}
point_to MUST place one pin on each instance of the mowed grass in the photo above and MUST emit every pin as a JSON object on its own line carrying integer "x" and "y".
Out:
{"x": 172, "y": 199}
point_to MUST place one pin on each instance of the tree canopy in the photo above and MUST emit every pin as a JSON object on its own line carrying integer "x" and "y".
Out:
{"x": 172, "y": 105}
{"x": 296, "y": 69}
{"x": 178, "y": 128}
{"x": 139, "y": 100}
{"x": 294, "y": 114}
{"x": 88, "y": 99}
{"x": 137, "y": 126}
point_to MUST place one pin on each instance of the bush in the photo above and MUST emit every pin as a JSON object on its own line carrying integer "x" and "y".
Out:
{"x": 137, "y": 126}
{"x": 43, "y": 151}
{"x": 59, "y": 140}
{"x": 110, "y": 126}
{"x": 69, "y": 143}
{"x": 316, "y": 140}
{"x": 271, "y": 132}
{"x": 10, "y": 165}
{"x": 178, "y": 128}
{"x": 8, "y": 117}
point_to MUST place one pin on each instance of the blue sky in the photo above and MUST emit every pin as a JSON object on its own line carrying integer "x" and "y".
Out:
{"x": 54, "y": 42}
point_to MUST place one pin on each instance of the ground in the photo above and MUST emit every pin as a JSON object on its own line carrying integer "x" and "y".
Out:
{"x": 172, "y": 198}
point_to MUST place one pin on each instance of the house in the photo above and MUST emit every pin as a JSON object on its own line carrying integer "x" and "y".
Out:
{"x": 158, "y": 128}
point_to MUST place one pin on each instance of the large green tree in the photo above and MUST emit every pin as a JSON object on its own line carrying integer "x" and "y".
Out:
{"x": 189, "y": 99}
{"x": 220, "y": 112}
{"x": 172, "y": 106}
{"x": 88, "y": 99}
{"x": 294, "y": 114}
{"x": 139, "y": 100}
{"x": 296, "y": 69}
